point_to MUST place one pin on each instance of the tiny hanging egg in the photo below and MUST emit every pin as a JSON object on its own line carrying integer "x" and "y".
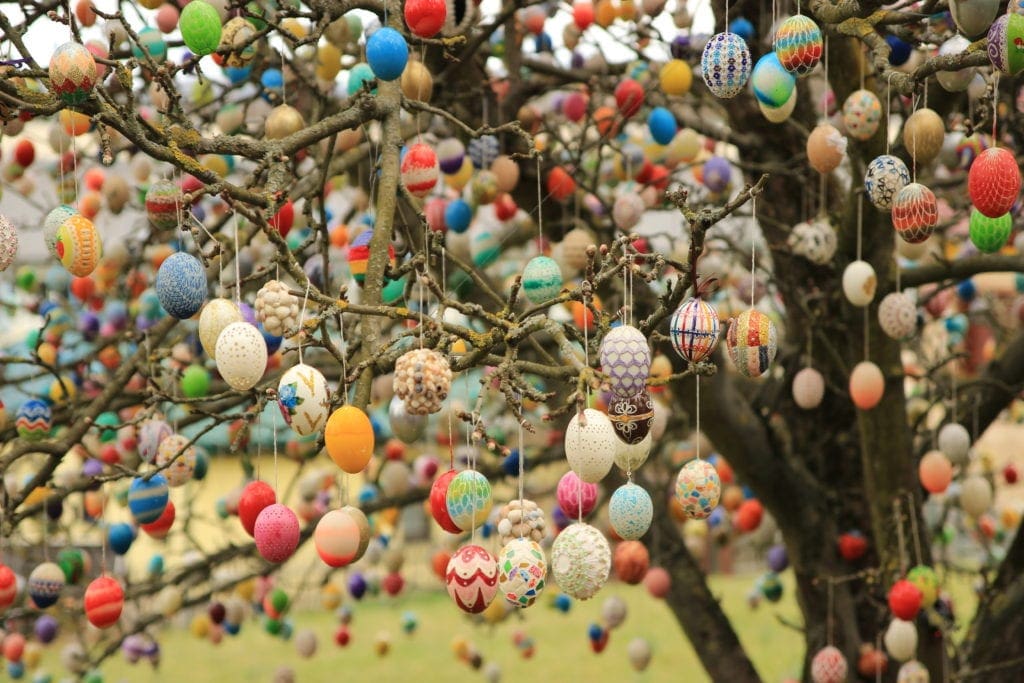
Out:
{"x": 725, "y": 64}
{"x": 808, "y": 388}
{"x": 590, "y": 445}
{"x": 337, "y": 538}
{"x": 200, "y": 27}
{"x": 859, "y": 283}
{"x": 772, "y": 84}
{"x": 472, "y": 578}
{"x": 626, "y": 359}
{"x": 72, "y": 73}
{"x": 695, "y": 329}
{"x": 542, "y": 279}
{"x": 752, "y": 341}
{"x": 181, "y": 285}
{"x": 915, "y": 213}
{"x": 576, "y": 497}
{"x": 45, "y": 584}
{"x": 630, "y": 511}
{"x": 862, "y": 112}
{"x": 867, "y": 385}
{"x": 147, "y": 498}
{"x": 885, "y": 177}
{"x": 580, "y": 560}
{"x": 826, "y": 147}
{"x": 901, "y": 639}
{"x": 468, "y": 499}
{"x": 522, "y": 570}
{"x": 935, "y": 471}
{"x": 78, "y": 245}
{"x": 387, "y": 53}
{"x": 989, "y": 235}
{"x": 798, "y": 44}
{"x": 216, "y": 315}
{"x": 276, "y": 532}
{"x": 282, "y": 121}
{"x": 897, "y": 315}
{"x": 632, "y": 417}
{"x": 994, "y": 181}
{"x": 34, "y": 420}
{"x": 1005, "y": 37}
{"x": 177, "y": 459}
{"x": 304, "y": 399}
{"x": 829, "y": 666}
{"x": 349, "y": 438}
{"x": 241, "y": 355}
{"x": 698, "y": 488}
{"x": 103, "y": 601}
{"x": 923, "y": 134}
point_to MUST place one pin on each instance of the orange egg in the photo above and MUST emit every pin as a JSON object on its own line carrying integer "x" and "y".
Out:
{"x": 605, "y": 13}
{"x": 89, "y": 204}
{"x": 339, "y": 236}
{"x": 561, "y": 184}
{"x": 867, "y": 385}
{"x": 73, "y": 122}
{"x": 732, "y": 498}
{"x": 583, "y": 315}
{"x": 935, "y": 471}
{"x": 631, "y": 561}
{"x": 606, "y": 120}
{"x": 159, "y": 254}
{"x": 349, "y": 438}
{"x": 94, "y": 501}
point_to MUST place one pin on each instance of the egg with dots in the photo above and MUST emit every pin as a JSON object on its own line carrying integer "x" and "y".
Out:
{"x": 276, "y": 532}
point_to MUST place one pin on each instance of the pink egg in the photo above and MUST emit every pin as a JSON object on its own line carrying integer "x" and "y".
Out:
{"x": 336, "y": 538}
{"x": 570, "y": 489}
{"x": 167, "y": 18}
{"x": 866, "y": 385}
{"x": 808, "y": 388}
{"x": 472, "y": 578}
{"x": 276, "y": 532}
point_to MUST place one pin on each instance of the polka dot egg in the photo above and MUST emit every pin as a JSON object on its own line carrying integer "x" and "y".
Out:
{"x": 177, "y": 457}
{"x": 472, "y": 578}
{"x": 626, "y": 359}
{"x": 630, "y": 511}
{"x": 468, "y": 499}
{"x": 862, "y": 113}
{"x": 590, "y": 445}
{"x": 897, "y": 315}
{"x": 695, "y": 329}
{"x": 725, "y": 64}
{"x": 34, "y": 420}
{"x": 8, "y": 243}
{"x": 798, "y": 44}
{"x": 522, "y": 571}
{"x": 45, "y": 584}
{"x": 885, "y": 177}
{"x": 241, "y": 355}
{"x": 632, "y": 417}
{"x": 337, "y": 538}
{"x": 147, "y": 498}
{"x": 915, "y": 213}
{"x": 698, "y": 488}
{"x": 78, "y": 245}
{"x": 752, "y": 341}
{"x": 304, "y": 399}
{"x": 581, "y": 561}
{"x": 276, "y": 532}
{"x": 181, "y": 285}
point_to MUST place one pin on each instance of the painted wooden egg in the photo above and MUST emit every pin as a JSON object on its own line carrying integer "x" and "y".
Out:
{"x": 200, "y": 27}
{"x": 469, "y": 499}
{"x": 215, "y": 317}
{"x": 580, "y": 560}
{"x": 630, "y": 511}
{"x": 72, "y": 73}
{"x": 45, "y": 584}
{"x": 590, "y": 445}
{"x": 103, "y": 601}
{"x": 542, "y": 279}
{"x": 405, "y": 426}
{"x": 897, "y": 315}
{"x": 923, "y": 134}
{"x": 752, "y": 341}
{"x": 626, "y": 359}
{"x": 867, "y": 385}
{"x": 147, "y": 498}
{"x": 698, "y": 488}
{"x": 955, "y": 81}
{"x": 164, "y": 204}
{"x": 826, "y": 147}
{"x": 695, "y": 329}
{"x": 772, "y": 84}
{"x": 994, "y": 181}
{"x": 935, "y": 471}
{"x": 975, "y": 495}
{"x": 955, "y": 441}
{"x": 276, "y": 532}
{"x": 181, "y": 285}
{"x": 829, "y": 666}
{"x": 808, "y": 388}
{"x": 798, "y": 44}
{"x": 862, "y": 112}
{"x": 241, "y": 355}
{"x": 815, "y": 240}
{"x": 629, "y": 457}
{"x": 34, "y": 420}
{"x": 522, "y": 571}
{"x": 349, "y": 438}
{"x": 913, "y": 671}
{"x": 915, "y": 213}
{"x": 576, "y": 497}
{"x": 304, "y": 399}
{"x": 177, "y": 458}
{"x": 439, "y": 502}
{"x": 725, "y": 64}
{"x": 989, "y": 235}
{"x": 885, "y": 177}
{"x": 1005, "y": 41}
{"x": 779, "y": 114}
{"x": 859, "y": 283}
{"x": 78, "y": 245}
{"x": 632, "y": 417}
{"x": 8, "y": 243}
{"x": 420, "y": 168}
{"x": 901, "y": 639}
{"x": 337, "y": 538}
{"x": 472, "y": 578}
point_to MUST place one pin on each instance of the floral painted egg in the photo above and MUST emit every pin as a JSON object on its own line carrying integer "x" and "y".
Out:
{"x": 181, "y": 285}
{"x": 626, "y": 359}
{"x": 915, "y": 213}
{"x": 798, "y": 44}
{"x": 955, "y": 81}
{"x": 994, "y": 181}
{"x": 472, "y": 578}
{"x": 725, "y": 64}
{"x": 78, "y": 245}
{"x": 8, "y": 243}
{"x": 885, "y": 177}
{"x": 630, "y": 511}
{"x": 522, "y": 570}
{"x": 469, "y": 499}
{"x": 581, "y": 560}
{"x": 897, "y": 315}
{"x": 542, "y": 279}
{"x": 349, "y": 438}
{"x": 337, "y": 538}
{"x": 913, "y": 671}
{"x": 419, "y": 168}
{"x": 698, "y": 488}
{"x": 632, "y": 417}
{"x": 51, "y": 226}
{"x": 923, "y": 135}
{"x": 695, "y": 328}
{"x": 590, "y": 445}
{"x": 867, "y": 385}
{"x": 772, "y": 84}
{"x": 241, "y": 355}
{"x": 859, "y": 283}
{"x": 901, "y": 638}
{"x": 1005, "y": 38}
{"x": 72, "y": 73}
{"x": 103, "y": 601}
{"x": 147, "y": 498}
{"x": 304, "y": 399}
{"x": 826, "y": 147}
{"x": 576, "y": 497}
{"x": 815, "y": 240}
{"x": 34, "y": 420}
{"x": 829, "y": 666}
{"x": 808, "y": 388}
{"x": 752, "y": 342}
{"x": 989, "y": 235}
{"x": 177, "y": 459}
{"x": 216, "y": 315}
{"x": 276, "y": 532}
{"x": 862, "y": 112}
{"x": 45, "y": 584}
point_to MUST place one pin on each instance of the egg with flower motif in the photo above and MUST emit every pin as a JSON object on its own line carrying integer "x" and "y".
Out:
{"x": 522, "y": 572}
{"x": 695, "y": 329}
{"x": 885, "y": 177}
{"x": 626, "y": 359}
{"x": 632, "y": 417}
{"x": 862, "y": 112}
{"x": 630, "y": 511}
{"x": 304, "y": 399}
{"x": 580, "y": 560}
{"x": 725, "y": 64}
{"x": 752, "y": 341}
{"x": 698, "y": 488}
{"x": 472, "y": 578}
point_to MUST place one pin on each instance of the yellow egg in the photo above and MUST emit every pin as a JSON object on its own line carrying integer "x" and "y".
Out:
{"x": 328, "y": 62}
{"x": 458, "y": 180}
{"x": 417, "y": 82}
{"x": 676, "y": 77}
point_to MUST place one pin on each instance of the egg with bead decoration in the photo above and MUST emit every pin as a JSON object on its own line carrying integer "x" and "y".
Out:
{"x": 522, "y": 572}
{"x": 387, "y": 53}
{"x": 752, "y": 341}
{"x": 200, "y": 26}
{"x": 994, "y": 180}
{"x": 862, "y": 112}
{"x": 34, "y": 420}
{"x": 580, "y": 560}
{"x": 897, "y": 315}
{"x": 337, "y": 538}
{"x": 72, "y": 73}
{"x": 1004, "y": 38}
{"x": 773, "y": 85}
{"x": 147, "y": 498}
{"x": 915, "y": 213}
{"x": 632, "y": 417}
{"x": 989, "y": 235}
{"x": 590, "y": 445}
{"x": 885, "y": 177}
{"x": 304, "y": 399}
{"x": 799, "y": 45}
{"x": 471, "y": 578}
{"x": 241, "y": 355}
{"x": 542, "y": 279}
{"x": 725, "y": 64}
{"x": 276, "y": 533}
{"x": 181, "y": 285}
{"x": 468, "y": 499}
{"x": 103, "y": 601}
{"x": 698, "y": 488}
{"x": 349, "y": 438}
{"x": 78, "y": 245}
{"x": 626, "y": 359}
{"x": 695, "y": 329}
{"x": 867, "y": 385}
{"x": 45, "y": 584}
{"x": 630, "y": 511}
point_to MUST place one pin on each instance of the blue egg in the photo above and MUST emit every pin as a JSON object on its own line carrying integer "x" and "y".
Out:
{"x": 387, "y": 52}
{"x": 147, "y": 498}
{"x": 563, "y": 602}
{"x": 772, "y": 84}
{"x": 273, "y": 341}
{"x": 966, "y": 290}
{"x": 542, "y": 42}
{"x": 1018, "y": 282}
{"x": 487, "y": 529}
{"x": 156, "y": 565}
{"x": 484, "y": 150}
{"x": 743, "y": 28}
{"x": 231, "y": 629}
{"x": 510, "y": 465}
{"x": 957, "y": 324}
{"x": 16, "y": 670}
{"x": 716, "y": 517}
{"x": 457, "y": 215}
{"x": 181, "y": 285}
{"x": 594, "y": 632}
{"x": 272, "y": 80}
{"x": 237, "y": 74}
{"x": 899, "y": 50}
{"x": 367, "y": 493}
{"x": 662, "y": 124}
{"x": 120, "y": 537}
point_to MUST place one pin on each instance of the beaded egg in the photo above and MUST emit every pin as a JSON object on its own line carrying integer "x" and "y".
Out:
{"x": 867, "y": 385}
{"x": 420, "y": 169}
{"x": 808, "y": 388}
{"x": 422, "y": 379}
{"x": 626, "y": 359}
{"x": 829, "y": 666}
{"x": 885, "y": 177}
{"x": 520, "y": 518}
{"x": 45, "y": 584}
{"x": 472, "y": 578}
{"x": 468, "y": 499}
{"x": 859, "y": 283}
{"x": 901, "y": 639}
{"x": 72, "y": 73}
{"x": 923, "y": 135}
{"x": 576, "y": 497}
{"x": 752, "y": 341}
{"x": 33, "y": 420}
{"x": 773, "y": 85}
{"x": 387, "y": 53}
{"x": 994, "y": 181}
{"x": 304, "y": 399}
{"x": 337, "y": 538}
{"x": 862, "y": 112}
{"x": 630, "y": 511}
{"x": 725, "y": 64}
{"x": 241, "y": 355}
{"x": 632, "y": 417}
{"x": 216, "y": 315}
{"x": 276, "y": 532}
{"x": 590, "y": 445}
{"x": 103, "y": 601}
{"x": 989, "y": 235}
{"x": 522, "y": 570}
{"x": 698, "y": 488}
{"x": 826, "y": 147}
{"x": 164, "y": 203}
{"x": 695, "y": 329}
{"x": 147, "y": 498}
{"x": 897, "y": 315}
{"x": 915, "y": 213}
{"x": 798, "y": 44}
{"x": 200, "y": 27}
{"x": 542, "y": 279}
{"x": 177, "y": 458}
{"x": 277, "y": 308}
{"x": 580, "y": 560}
{"x": 78, "y": 245}
{"x": 1005, "y": 37}
{"x": 815, "y": 240}
{"x": 181, "y": 285}
{"x": 349, "y": 438}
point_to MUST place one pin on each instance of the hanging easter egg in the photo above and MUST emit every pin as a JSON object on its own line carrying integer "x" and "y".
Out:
{"x": 405, "y": 426}
{"x": 913, "y": 671}
{"x": 542, "y": 279}
{"x": 897, "y": 316}
{"x": 915, "y": 213}
{"x": 590, "y": 445}
{"x": 973, "y": 18}
{"x": 698, "y": 488}
{"x": 859, "y": 283}
{"x": 522, "y": 570}
{"x": 725, "y": 64}
{"x": 975, "y": 495}
{"x": 423, "y": 379}
{"x": 147, "y": 498}
{"x": 627, "y": 211}
{"x": 829, "y": 666}
{"x": 425, "y": 17}
{"x": 200, "y": 27}
{"x": 8, "y": 586}
{"x": 177, "y": 459}
{"x": 867, "y": 385}
{"x": 181, "y": 284}
{"x": 241, "y": 355}
{"x": 450, "y": 155}
{"x": 45, "y": 584}
{"x": 254, "y": 497}
{"x": 520, "y": 518}
{"x": 387, "y": 53}
{"x": 826, "y": 147}
{"x": 164, "y": 204}
{"x": 662, "y": 125}
{"x": 484, "y": 150}
{"x": 419, "y": 169}
{"x": 955, "y": 81}
{"x": 363, "y": 524}
{"x": 994, "y": 181}
{"x": 955, "y": 441}
{"x": 576, "y": 497}
{"x": 103, "y": 601}
{"x": 717, "y": 172}
{"x": 752, "y": 341}
{"x": 237, "y": 43}
{"x": 276, "y": 532}
{"x": 675, "y": 77}
{"x": 772, "y": 84}
{"x": 629, "y": 97}
{"x": 626, "y": 359}
{"x": 472, "y": 578}
{"x": 78, "y": 245}
{"x": 560, "y": 184}
{"x": 580, "y": 560}
{"x": 798, "y": 44}
{"x": 277, "y": 309}
{"x": 151, "y": 433}
{"x": 439, "y": 502}
{"x": 1005, "y": 37}
{"x": 935, "y": 471}
{"x": 989, "y": 235}
{"x": 468, "y": 499}
{"x": 815, "y": 240}
{"x": 51, "y": 225}
{"x": 808, "y": 388}
{"x": 862, "y": 112}
{"x": 904, "y": 600}
{"x": 695, "y": 329}
{"x": 304, "y": 399}
{"x": 885, "y": 177}
{"x": 901, "y": 639}
{"x": 349, "y": 438}
{"x": 72, "y": 73}
{"x": 34, "y": 420}
{"x": 923, "y": 134}
{"x": 282, "y": 121}
{"x": 337, "y": 538}
{"x": 215, "y": 317}
{"x": 927, "y": 581}
{"x": 630, "y": 511}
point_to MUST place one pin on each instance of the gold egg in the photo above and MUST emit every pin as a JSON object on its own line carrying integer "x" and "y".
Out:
{"x": 417, "y": 83}
{"x": 923, "y": 134}
{"x": 283, "y": 120}
{"x": 328, "y": 62}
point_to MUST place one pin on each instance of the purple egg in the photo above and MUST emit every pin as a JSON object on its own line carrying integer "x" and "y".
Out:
{"x": 88, "y": 325}
{"x": 357, "y": 585}
{"x": 92, "y": 468}
{"x": 717, "y": 173}
{"x": 559, "y": 518}
{"x": 578, "y": 60}
{"x": 46, "y": 628}
{"x": 248, "y": 314}
{"x": 681, "y": 47}
{"x": 778, "y": 560}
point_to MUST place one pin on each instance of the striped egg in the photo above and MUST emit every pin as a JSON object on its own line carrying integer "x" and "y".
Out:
{"x": 419, "y": 169}
{"x": 752, "y": 342}
{"x": 34, "y": 420}
{"x": 78, "y": 245}
{"x": 103, "y": 601}
{"x": 73, "y": 72}
{"x": 694, "y": 329}
{"x": 337, "y": 538}
{"x": 472, "y": 578}
{"x": 164, "y": 204}
{"x": 45, "y": 584}
{"x": 147, "y": 498}
{"x": 798, "y": 44}
{"x": 542, "y": 279}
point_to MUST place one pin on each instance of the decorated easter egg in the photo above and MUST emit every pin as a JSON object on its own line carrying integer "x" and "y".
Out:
{"x": 717, "y": 172}
{"x": 484, "y": 150}
{"x": 626, "y": 359}
{"x": 405, "y": 426}
{"x": 975, "y": 495}
{"x": 468, "y": 499}
{"x": 349, "y": 438}
{"x": 826, "y": 147}
{"x": 590, "y": 445}
{"x": 867, "y": 385}
{"x": 779, "y": 114}
{"x": 215, "y": 317}
{"x": 34, "y": 420}
{"x": 282, "y": 121}
{"x": 103, "y": 601}
{"x": 913, "y": 671}
{"x": 423, "y": 379}
{"x": 808, "y": 388}
{"x": 177, "y": 459}
{"x": 363, "y": 523}
{"x": 772, "y": 84}
{"x": 862, "y": 111}
{"x": 542, "y": 279}
{"x": 973, "y": 18}
{"x": 994, "y": 180}
{"x": 885, "y": 177}
{"x": 798, "y": 44}
{"x": 627, "y": 211}
{"x": 164, "y": 203}
{"x": 901, "y": 639}
{"x": 915, "y": 213}
{"x": 725, "y": 64}
{"x": 1005, "y": 38}
{"x": 698, "y": 488}
{"x": 304, "y": 399}
{"x": 576, "y": 497}
{"x": 580, "y": 560}
{"x": 926, "y": 580}
{"x": 254, "y": 497}
{"x": 520, "y": 518}
{"x": 241, "y": 355}
{"x": 276, "y": 532}
{"x": 522, "y": 570}
{"x": 72, "y": 73}
{"x": 472, "y": 578}
{"x": 955, "y": 441}
{"x": 147, "y": 498}
{"x": 923, "y": 134}
{"x": 935, "y": 471}
{"x": 45, "y": 584}
{"x": 630, "y": 511}
{"x": 695, "y": 329}
{"x": 51, "y": 226}
{"x": 337, "y": 538}
{"x": 200, "y": 27}
{"x": 829, "y": 666}
{"x": 632, "y": 417}
{"x": 151, "y": 433}
{"x": 897, "y": 315}
{"x": 181, "y": 284}
{"x": 675, "y": 77}
{"x": 631, "y": 561}
{"x": 989, "y": 235}
{"x": 439, "y": 502}
{"x": 387, "y": 53}
{"x": 859, "y": 283}
{"x": 815, "y": 240}
{"x": 78, "y": 245}
{"x": 419, "y": 168}
{"x": 752, "y": 342}
{"x": 955, "y": 81}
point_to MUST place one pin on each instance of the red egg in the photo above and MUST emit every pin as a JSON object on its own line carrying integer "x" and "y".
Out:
{"x": 852, "y": 546}
{"x": 631, "y": 561}
{"x": 629, "y": 97}
{"x": 434, "y": 211}
{"x": 425, "y": 17}
{"x": 583, "y": 14}
{"x": 276, "y": 532}
{"x": 284, "y": 219}
{"x": 83, "y": 288}
{"x": 574, "y": 106}
{"x": 103, "y": 602}
{"x": 393, "y": 584}
{"x": 505, "y": 207}
{"x": 93, "y": 179}
{"x": 658, "y": 582}
{"x": 994, "y": 182}
{"x": 342, "y": 636}
{"x": 561, "y": 184}
{"x": 24, "y": 153}
{"x": 255, "y": 496}
{"x": 13, "y": 646}
{"x": 167, "y": 18}
{"x": 439, "y": 502}
{"x": 749, "y": 515}
{"x": 160, "y": 528}
{"x": 905, "y": 600}
{"x": 420, "y": 169}
{"x": 1010, "y": 474}
{"x": 8, "y": 586}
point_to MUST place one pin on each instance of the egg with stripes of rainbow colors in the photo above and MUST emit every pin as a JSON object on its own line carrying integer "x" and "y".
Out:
{"x": 472, "y": 578}
{"x": 337, "y": 538}
{"x": 34, "y": 420}
{"x": 304, "y": 399}
{"x": 798, "y": 44}
{"x": 241, "y": 355}
{"x": 694, "y": 329}
{"x": 698, "y": 488}
{"x": 581, "y": 560}
{"x": 469, "y": 499}
{"x": 420, "y": 169}
{"x": 590, "y": 445}
{"x": 752, "y": 342}
{"x": 522, "y": 572}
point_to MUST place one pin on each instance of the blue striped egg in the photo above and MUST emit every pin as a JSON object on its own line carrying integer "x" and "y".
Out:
{"x": 181, "y": 285}
{"x": 147, "y": 498}
{"x": 34, "y": 420}
{"x": 45, "y": 584}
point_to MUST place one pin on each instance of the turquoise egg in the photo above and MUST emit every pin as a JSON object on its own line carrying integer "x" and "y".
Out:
{"x": 772, "y": 84}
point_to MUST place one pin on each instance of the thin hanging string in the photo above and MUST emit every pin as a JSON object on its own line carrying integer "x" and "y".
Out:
{"x": 860, "y": 225}
{"x": 830, "y": 609}
{"x": 888, "y": 109}
{"x": 46, "y": 536}
{"x": 103, "y": 548}
{"x": 275, "y": 449}
{"x": 860, "y": 66}
{"x": 953, "y": 374}
{"x": 238, "y": 267}
{"x": 918, "y": 555}
{"x": 74, "y": 163}
{"x": 540, "y": 212}
{"x": 824, "y": 94}
{"x": 913, "y": 142}
{"x": 753, "y": 246}
{"x": 898, "y": 519}
{"x": 697, "y": 411}
{"x": 995, "y": 109}
{"x": 344, "y": 360}
{"x": 867, "y": 334}
{"x": 896, "y": 258}
{"x": 878, "y": 648}
{"x": 522, "y": 475}
{"x": 284, "y": 80}
{"x": 302, "y": 323}
{"x": 974, "y": 424}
